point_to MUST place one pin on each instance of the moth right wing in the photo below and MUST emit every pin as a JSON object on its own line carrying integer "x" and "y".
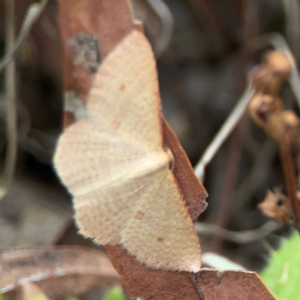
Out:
{"x": 105, "y": 212}
{"x": 162, "y": 234}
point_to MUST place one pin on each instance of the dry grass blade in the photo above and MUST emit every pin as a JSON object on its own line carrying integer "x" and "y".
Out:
{"x": 223, "y": 133}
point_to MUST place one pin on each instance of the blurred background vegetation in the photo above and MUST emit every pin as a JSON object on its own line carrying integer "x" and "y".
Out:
{"x": 203, "y": 57}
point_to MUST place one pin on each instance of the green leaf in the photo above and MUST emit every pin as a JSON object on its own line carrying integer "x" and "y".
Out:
{"x": 282, "y": 275}
{"x": 115, "y": 293}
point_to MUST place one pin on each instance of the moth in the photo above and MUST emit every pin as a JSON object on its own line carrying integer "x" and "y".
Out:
{"x": 115, "y": 166}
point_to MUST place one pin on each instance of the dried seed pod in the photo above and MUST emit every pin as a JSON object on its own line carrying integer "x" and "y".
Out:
{"x": 262, "y": 107}
{"x": 288, "y": 134}
{"x": 276, "y": 206}
{"x": 279, "y": 63}
{"x": 269, "y": 76}
{"x": 266, "y": 81}
{"x": 284, "y": 128}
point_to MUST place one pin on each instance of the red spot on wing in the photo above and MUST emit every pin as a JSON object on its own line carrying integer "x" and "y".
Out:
{"x": 156, "y": 95}
{"x": 122, "y": 87}
{"x": 139, "y": 215}
{"x": 115, "y": 125}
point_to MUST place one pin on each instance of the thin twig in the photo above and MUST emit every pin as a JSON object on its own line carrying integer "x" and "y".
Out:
{"x": 167, "y": 22}
{"x": 257, "y": 175}
{"x": 292, "y": 23}
{"x": 241, "y": 237}
{"x": 279, "y": 43}
{"x": 227, "y": 187}
{"x": 206, "y": 13}
{"x": 12, "y": 46}
{"x": 227, "y": 127}
{"x": 33, "y": 12}
{"x": 10, "y": 97}
{"x": 290, "y": 180}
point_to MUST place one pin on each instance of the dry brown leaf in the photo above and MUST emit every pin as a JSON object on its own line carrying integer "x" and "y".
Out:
{"x": 232, "y": 285}
{"x": 109, "y": 23}
{"x": 59, "y": 271}
{"x": 114, "y": 164}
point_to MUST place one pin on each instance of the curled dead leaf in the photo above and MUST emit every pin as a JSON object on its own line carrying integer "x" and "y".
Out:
{"x": 267, "y": 112}
{"x": 284, "y": 128}
{"x": 277, "y": 206}
{"x": 60, "y": 271}
{"x": 262, "y": 107}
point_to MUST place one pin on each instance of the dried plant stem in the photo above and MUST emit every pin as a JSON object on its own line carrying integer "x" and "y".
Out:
{"x": 279, "y": 43}
{"x": 32, "y": 15}
{"x": 7, "y": 61}
{"x": 291, "y": 185}
{"x": 167, "y": 22}
{"x": 227, "y": 127}
{"x": 257, "y": 175}
{"x": 205, "y": 12}
{"x": 240, "y": 237}
{"x": 292, "y": 23}
{"x": 10, "y": 90}
{"x": 228, "y": 187}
